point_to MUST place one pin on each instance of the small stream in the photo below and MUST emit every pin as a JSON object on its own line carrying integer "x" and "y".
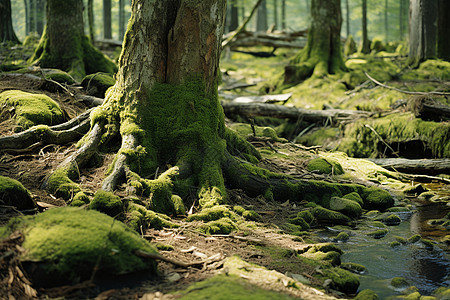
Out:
{"x": 425, "y": 269}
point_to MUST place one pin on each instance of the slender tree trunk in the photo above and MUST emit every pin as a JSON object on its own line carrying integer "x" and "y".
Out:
{"x": 64, "y": 45}
{"x": 107, "y": 33}
{"x": 234, "y": 15}
{"x": 32, "y": 15}
{"x": 27, "y": 16}
{"x": 307, "y": 5}
{"x": 365, "y": 46}
{"x": 386, "y": 21}
{"x": 7, "y": 33}
{"x": 261, "y": 17}
{"x": 91, "y": 23}
{"x": 121, "y": 19}
{"x": 275, "y": 13}
{"x": 283, "y": 14}
{"x": 400, "y": 18}
{"x": 40, "y": 16}
{"x": 347, "y": 18}
{"x": 422, "y": 30}
{"x": 443, "y": 32}
{"x": 322, "y": 54}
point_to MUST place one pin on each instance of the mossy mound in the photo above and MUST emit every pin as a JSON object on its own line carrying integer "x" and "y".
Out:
{"x": 366, "y": 295}
{"x": 378, "y": 234}
{"x": 245, "y": 130}
{"x": 30, "y": 109}
{"x": 108, "y": 203}
{"x": 325, "y": 253}
{"x": 97, "y": 84}
{"x": 342, "y": 237}
{"x": 429, "y": 69}
{"x": 325, "y": 166}
{"x": 399, "y": 283}
{"x": 66, "y": 244}
{"x": 354, "y": 196}
{"x": 303, "y": 220}
{"x": 13, "y": 193}
{"x": 377, "y": 198}
{"x": 59, "y": 76}
{"x": 348, "y": 207}
{"x": 220, "y": 226}
{"x": 392, "y": 220}
{"x": 342, "y": 280}
{"x": 354, "y": 268}
{"x": 326, "y": 216}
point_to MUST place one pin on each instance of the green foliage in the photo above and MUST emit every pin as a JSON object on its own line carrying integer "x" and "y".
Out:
{"x": 108, "y": 203}
{"x": 68, "y": 242}
{"x": 13, "y": 193}
{"x": 31, "y": 109}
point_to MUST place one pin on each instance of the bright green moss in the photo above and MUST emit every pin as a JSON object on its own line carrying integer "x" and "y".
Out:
{"x": 330, "y": 257}
{"x": 347, "y": 207}
{"x": 251, "y": 215}
{"x": 325, "y": 166}
{"x": 219, "y": 226}
{"x": 239, "y": 209}
{"x": 77, "y": 203}
{"x": 213, "y": 213}
{"x": 442, "y": 293}
{"x": 81, "y": 196}
{"x": 60, "y": 183}
{"x": 354, "y": 268}
{"x": 342, "y": 236}
{"x": 400, "y": 239}
{"x": 378, "y": 234}
{"x": 300, "y": 222}
{"x": 399, "y": 282}
{"x": 376, "y": 198}
{"x": 349, "y": 46}
{"x": 69, "y": 242}
{"x": 13, "y": 193}
{"x": 107, "y": 203}
{"x": 31, "y": 109}
{"x": 354, "y": 196}
{"x": 245, "y": 130}
{"x": 164, "y": 247}
{"x": 59, "y": 76}
{"x": 326, "y": 216}
{"x": 394, "y": 244}
{"x": 342, "y": 280}
{"x": 306, "y": 215}
{"x": 366, "y": 295}
{"x": 429, "y": 69}
{"x": 392, "y": 220}
{"x": 178, "y": 205}
{"x": 97, "y": 84}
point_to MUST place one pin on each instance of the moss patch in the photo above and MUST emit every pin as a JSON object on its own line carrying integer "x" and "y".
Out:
{"x": 13, "y": 193}
{"x": 342, "y": 280}
{"x": 69, "y": 242}
{"x": 326, "y": 216}
{"x": 107, "y": 203}
{"x": 31, "y": 109}
{"x": 97, "y": 84}
{"x": 246, "y": 130}
{"x": 325, "y": 166}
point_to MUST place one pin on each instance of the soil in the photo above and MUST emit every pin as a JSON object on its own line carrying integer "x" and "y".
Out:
{"x": 254, "y": 245}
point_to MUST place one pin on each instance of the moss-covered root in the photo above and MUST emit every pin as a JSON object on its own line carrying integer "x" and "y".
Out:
{"x": 61, "y": 181}
{"x": 13, "y": 193}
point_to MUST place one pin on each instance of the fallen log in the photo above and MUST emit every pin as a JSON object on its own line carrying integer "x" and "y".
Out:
{"x": 270, "y": 39}
{"x": 284, "y": 112}
{"x": 415, "y": 166}
{"x": 427, "y": 108}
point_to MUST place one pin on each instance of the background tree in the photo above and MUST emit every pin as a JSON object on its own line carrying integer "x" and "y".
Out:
{"x": 365, "y": 43}
{"x": 322, "y": 54}
{"x": 386, "y": 21}
{"x": 261, "y": 17}
{"x": 275, "y": 14}
{"x": 64, "y": 45}
{"x": 7, "y": 33}
{"x": 422, "y": 30}
{"x": 107, "y": 32}
{"x": 443, "y": 31}
{"x": 40, "y": 16}
{"x": 283, "y": 14}
{"x": 91, "y": 21}
{"x": 121, "y": 19}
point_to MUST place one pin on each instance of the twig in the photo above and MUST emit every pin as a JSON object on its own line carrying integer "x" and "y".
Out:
{"x": 57, "y": 83}
{"x": 403, "y": 91}
{"x": 381, "y": 139}
{"x": 174, "y": 262}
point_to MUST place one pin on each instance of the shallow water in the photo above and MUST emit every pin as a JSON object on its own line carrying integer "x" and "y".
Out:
{"x": 425, "y": 269}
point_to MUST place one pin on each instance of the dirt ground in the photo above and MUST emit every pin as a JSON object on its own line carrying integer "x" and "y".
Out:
{"x": 265, "y": 244}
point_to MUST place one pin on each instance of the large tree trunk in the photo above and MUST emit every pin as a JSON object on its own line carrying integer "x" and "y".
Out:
{"x": 7, "y": 33}
{"x": 261, "y": 17}
{"x": 322, "y": 54}
{"x": 107, "y": 33}
{"x": 64, "y": 45}
{"x": 365, "y": 43}
{"x": 422, "y": 30}
{"x": 443, "y": 32}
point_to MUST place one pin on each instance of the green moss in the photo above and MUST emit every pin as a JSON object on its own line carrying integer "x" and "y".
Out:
{"x": 68, "y": 242}
{"x": 60, "y": 183}
{"x": 318, "y": 136}
{"x": 306, "y": 215}
{"x": 31, "y": 109}
{"x": 251, "y": 215}
{"x": 394, "y": 244}
{"x": 399, "y": 282}
{"x": 430, "y": 69}
{"x": 342, "y": 280}
{"x": 354, "y": 268}
{"x": 392, "y": 220}
{"x": 376, "y": 198}
{"x": 331, "y": 257}
{"x": 220, "y": 226}
{"x": 59, "y": 76}
{"x": 400, "y": 239}
{"x": 77, "y": 203}
{"x": 178, "y": 205}
{"x": 300, "y": 222}
{"x": 107, "y": 203}
{"x": 81, "y": 196}
{"x": 325, "y": 166}
{"x": 442, "y": 293}
{"x": 377, "y": 45}
{"x": 97, "y": 84}
{"x": 349, "y": 46}
{"x": 245, "y": 130}
{"x": 348, "y": 207}
{"x": 429, "y": 245}
{"x": 414, "y": 238}
{"x": 366, "y": 295}
{"x": 213, "y": 213}
{"x": 13, "y": 193}
{"x": 354, "y": 196}
{"x": 326, "y": 216}
{"x": 239, "y": 209}
{"x": 342, "y": 236}
{"x": 164, "y": 247}
{"x": 378, "y": 234}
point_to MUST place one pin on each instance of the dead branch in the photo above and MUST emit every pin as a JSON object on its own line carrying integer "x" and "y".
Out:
{"x": 403, "y": 91}
{"x": 416, "y": 166}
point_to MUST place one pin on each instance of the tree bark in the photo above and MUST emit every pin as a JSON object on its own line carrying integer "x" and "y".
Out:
{"x": 7, "y": 33}
{"x": 40, "y": 16}
{"x": 422, "y": 30}
{"x": 365, "y": 46}
{"x": 107, "y": 33}
{"x": 322, "y": 54}
{"x": 415, "y": 166}
{"x": 443, "y": 30}
{"x": 91, "y": 20}
{"x": 64, "y": 45}
{"x": 261, "y": 17}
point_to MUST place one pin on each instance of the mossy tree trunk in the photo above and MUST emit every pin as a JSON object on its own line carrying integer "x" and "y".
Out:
{"x": 64, "y": 45}
{"x": 422, "y": 30}
{"x": 7, "y": 33}
{"x": 322, "y": 54}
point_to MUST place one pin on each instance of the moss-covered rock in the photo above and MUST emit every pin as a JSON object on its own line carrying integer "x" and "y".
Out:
{"x": 59, "y": 76}
{"x": 212, "y": 214}
{"x": 342, "y": 236}
{"x": 414, "y": 239}
{"x": 354, "y": 268}
{"x": 354, "y": 196}
{"x": 399, "y": 283}
{"x": 376, "y": 198}
{"x": 442, "y": 293}
{"x": 30, "y": 109}
{"x": 392, "y": 220}
{"x": 349, "y": 46}
{"x": 378, "y": 234}
{"x": 326, "y": 216}
{"x": 328, "y": 253}
{"x": 348, "y": 207}
{"x": 67, "y": 244}
{"x": 60, "y": 183}
{"x": 366, "y": 295}
{"x": 245, "y": 130}
{"x": 325, "y": 166}
{"x": 251, "y": 215}
{"x": 342, "y": 280}
{"x": 220, "y": 226}
{"x": 13, "y": 193}
{"x": 97, "y": 84}
{"x": 107, "y": 203}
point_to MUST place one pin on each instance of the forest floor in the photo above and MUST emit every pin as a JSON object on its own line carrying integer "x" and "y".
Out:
{"x": 265, "y": 242}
